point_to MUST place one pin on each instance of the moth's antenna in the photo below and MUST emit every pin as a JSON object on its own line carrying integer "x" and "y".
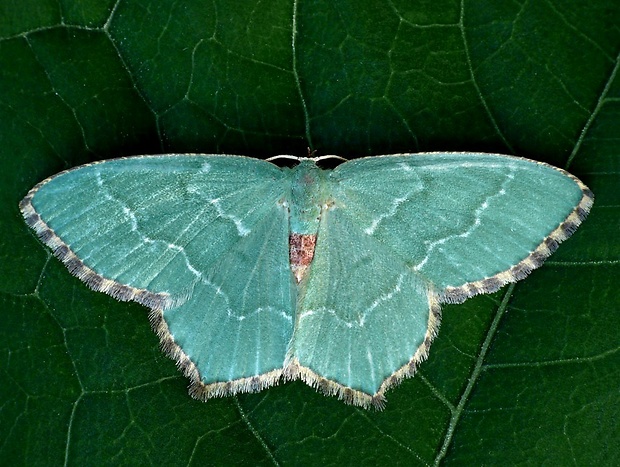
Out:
{"x": 310, "y": 156}
{"x": 284, "y": 156}
{"x": 328, "y": 156}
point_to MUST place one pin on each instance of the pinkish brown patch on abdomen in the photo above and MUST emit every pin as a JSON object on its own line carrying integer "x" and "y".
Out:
{"x": 301, "y": 252}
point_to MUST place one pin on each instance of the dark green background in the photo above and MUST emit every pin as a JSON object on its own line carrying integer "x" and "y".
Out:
{"x": 528, "y": 375}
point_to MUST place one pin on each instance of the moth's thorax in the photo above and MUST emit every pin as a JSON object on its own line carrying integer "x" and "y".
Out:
{"x": 308, "y": 196}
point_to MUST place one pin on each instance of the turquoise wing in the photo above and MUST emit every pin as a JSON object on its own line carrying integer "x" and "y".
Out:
{"x": 201, "y": 240}
{"x": 469, "y": 223}
{"x": 401, "y": 234}
{"x": 364, "y": 319}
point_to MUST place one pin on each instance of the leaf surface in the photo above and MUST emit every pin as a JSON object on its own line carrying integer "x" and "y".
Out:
{"x": 526, "y": 375}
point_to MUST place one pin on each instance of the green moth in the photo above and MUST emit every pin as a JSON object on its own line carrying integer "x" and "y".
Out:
{"x": 256, "y": 273}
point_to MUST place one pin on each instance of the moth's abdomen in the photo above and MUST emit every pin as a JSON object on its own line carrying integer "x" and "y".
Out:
{"x": 301, "y": 252}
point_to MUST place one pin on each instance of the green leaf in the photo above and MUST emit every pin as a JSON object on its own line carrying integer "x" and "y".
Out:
{"x": 528, "y": 375}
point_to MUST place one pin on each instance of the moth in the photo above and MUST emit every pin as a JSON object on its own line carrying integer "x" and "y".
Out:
{"x": 255, "y": 273}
